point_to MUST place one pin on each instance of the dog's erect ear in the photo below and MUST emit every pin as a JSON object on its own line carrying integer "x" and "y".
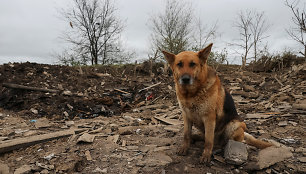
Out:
{"x": 204, "y": 53}
{"x": 169, "y": 56}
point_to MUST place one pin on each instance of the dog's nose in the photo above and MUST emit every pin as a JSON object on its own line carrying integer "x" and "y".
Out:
{"x": 185, "y": 79}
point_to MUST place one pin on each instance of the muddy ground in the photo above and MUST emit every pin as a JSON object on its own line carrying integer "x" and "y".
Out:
{"x": 134, "y": 121}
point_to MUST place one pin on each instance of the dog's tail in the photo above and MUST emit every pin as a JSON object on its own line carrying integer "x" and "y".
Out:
{"x": 250, "y": 140}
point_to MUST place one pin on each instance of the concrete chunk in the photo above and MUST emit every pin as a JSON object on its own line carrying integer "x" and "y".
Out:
{"x": 235, "y": 152}
{"x": 272, "y": 155}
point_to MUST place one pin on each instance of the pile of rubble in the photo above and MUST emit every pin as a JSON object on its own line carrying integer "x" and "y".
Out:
{"x": 142, "y": 135}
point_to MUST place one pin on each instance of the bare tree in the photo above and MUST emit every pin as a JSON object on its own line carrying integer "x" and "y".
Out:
{"x": 258, "y": 27}
{"x": 298, "y": 32}
{"x": 171, "y": 29}
{"x": 243, "y": 24}
{"x": 203, "y": 34}
{"x": 94, "y": 28}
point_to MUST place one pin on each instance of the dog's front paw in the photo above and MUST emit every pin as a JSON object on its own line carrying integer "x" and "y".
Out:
{"x": 205, "y": 158}
{"x": 183, "y": 151}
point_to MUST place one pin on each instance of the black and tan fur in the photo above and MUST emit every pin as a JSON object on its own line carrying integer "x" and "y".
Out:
{"x": 205, "y": 103}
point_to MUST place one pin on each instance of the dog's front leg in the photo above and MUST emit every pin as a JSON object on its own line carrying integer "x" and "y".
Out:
{"x": 210, "y": 124}
{"x": 187, "y": 135}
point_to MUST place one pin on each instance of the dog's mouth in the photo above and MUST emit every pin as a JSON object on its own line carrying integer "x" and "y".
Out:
{"x": 186, "y": 79}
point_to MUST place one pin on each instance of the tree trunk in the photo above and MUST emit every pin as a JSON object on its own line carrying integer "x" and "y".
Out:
{"x": 255, "y": 51}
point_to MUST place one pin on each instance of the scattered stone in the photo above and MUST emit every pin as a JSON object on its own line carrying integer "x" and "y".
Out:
{"x": 86, "y": 138}
{"x": 68, "y": 93}
{"x": 42, "y": 123}
{"x": 20, "y": 131}
{"x": 34, "y": 111}
{"x": 29, "y": 133}
{"x": 302, "y": 159}
{"x": 288, "y": 141}
{"x": 126, "y": 130}
{"x": 66, "y": 114}
{"x": 300, "y": 150}
{"x": 49, "y": 157}
{"x": 45, "y": 171}
{"x": 248, "y": 88}
{"x": 4, "y": 169}
{"x": 156, "y": 159}
{"x": 235, "y": 152}
{"x": 99, "y": 170}
{"x": 283, "y": 123}
{"x": 25, "y": 169}
{"x": 69, "y": 106}
{"x": 293, "y": 123}
{"x": 173, "y": 128}
{"x": 3, "y": 138}
{"x": 45, "y": 166}
{"x": 258, "y": 115}
{"x": 270, "y": 156}
{"x": 88, "y": 156}
{"x": 69, "y": 123}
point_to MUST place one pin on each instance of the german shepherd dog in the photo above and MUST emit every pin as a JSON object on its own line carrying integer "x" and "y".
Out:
{"x": 205, "y": 103}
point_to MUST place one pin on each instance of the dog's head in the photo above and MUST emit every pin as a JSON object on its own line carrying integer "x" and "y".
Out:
{"x": 188, "y": 66}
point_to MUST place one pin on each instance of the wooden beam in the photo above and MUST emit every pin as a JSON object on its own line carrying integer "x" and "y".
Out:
{"x": 9, "y": 145}
{"x": 16, "y": 86}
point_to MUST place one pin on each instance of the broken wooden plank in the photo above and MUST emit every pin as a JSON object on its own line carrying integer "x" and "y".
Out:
{"x": 299, "y": 106}
{"x": 16, "y": 86}
{"x": 278, "y": 81}
{"x": 121, "y": 91}
{"x": 261, "y": 115}
{"x": 150, "y": 86}
{"x": 17, "y": 143}
{"x": 169, "y": 121}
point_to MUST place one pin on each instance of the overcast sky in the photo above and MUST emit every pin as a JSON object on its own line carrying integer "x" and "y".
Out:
{"x": 30, "y": 29}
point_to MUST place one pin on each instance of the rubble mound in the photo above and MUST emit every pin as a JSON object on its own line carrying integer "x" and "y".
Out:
{"x": 125, "y": 119}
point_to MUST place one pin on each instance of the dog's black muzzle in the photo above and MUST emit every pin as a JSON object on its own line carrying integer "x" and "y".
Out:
{"x": 186, "y": 79}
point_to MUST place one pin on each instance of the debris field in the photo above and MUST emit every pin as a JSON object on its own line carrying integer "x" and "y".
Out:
{"x": 125, "y": 119}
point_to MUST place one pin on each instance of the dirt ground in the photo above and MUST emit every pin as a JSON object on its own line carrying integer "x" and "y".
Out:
{"x": 133, "y": 121}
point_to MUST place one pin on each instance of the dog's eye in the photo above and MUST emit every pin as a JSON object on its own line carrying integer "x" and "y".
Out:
{"x": 180, "y": 64}
{"x": 192, "y": 64}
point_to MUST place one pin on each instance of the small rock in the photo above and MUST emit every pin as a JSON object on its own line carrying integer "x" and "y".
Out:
{"x": 157, "y": 159}
{"x": 300, "y": 150}
{"x": 4, "y": 169}
{"x": 248, "y": 88}
{"x": 69, "y": 106}
{"x": 42, "y": 123}
{"x": 45, "y": 166}
{"x": 257, "y": 116}
{"x": 3, "y": 138}
{"x": 99, "y": 170}
{"x": 88, "y": 156}
{"x": 69, "y": 123}
{"x": 288, "y": 141}
{"x": 29, "y": 133}
{"x": 261, "y": 132}
{"x": 34, "y": 111}
{"x": 126, "y": 130}
{"x": 282, "y": 123}
{"x": 66, "y": 114}
{"x": 45, "y": 171}
{"x": 235, "y": 152}
{"x": 293, "y": 123}
{"x": 87, "y": 138}
{"x": 272, "y": 155}
{"x": 49, "y": 157}
{"x": 25, "y": 169}
{"x": 302, "y": 159}
{"x": 68, "y": 93}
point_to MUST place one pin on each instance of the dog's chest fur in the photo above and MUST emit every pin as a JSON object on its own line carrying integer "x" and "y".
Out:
{"x": 198, "y": 107}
